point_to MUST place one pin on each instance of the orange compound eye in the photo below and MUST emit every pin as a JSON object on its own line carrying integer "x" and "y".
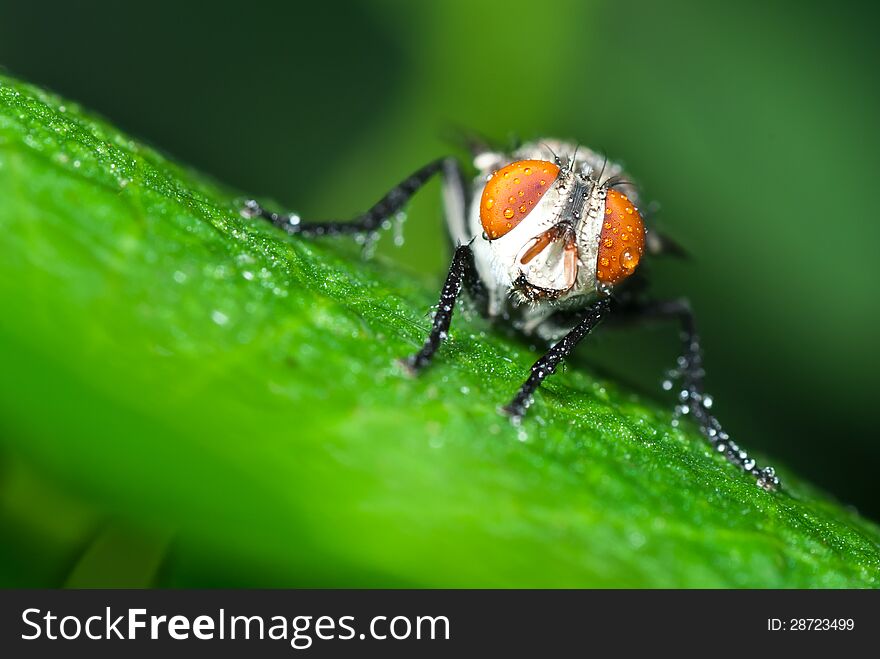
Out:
{"x": 512, "y": 193}
{"x": 622, "y": 240}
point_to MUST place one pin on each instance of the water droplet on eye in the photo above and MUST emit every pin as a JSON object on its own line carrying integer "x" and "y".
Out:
{"x": 629, "y": 260}
{"x": 521, "y": 193}
{"x": 608, "y": 212}
{"x": 629, "y": 210}
{"x": 624, "y": 236}
{"x": 511, "y": 199}
{"x": 608, "y": 242}
{"x": 629, "y": 227}
{"x": 542, "y": 182}
{"x": 604, "y": 261}
{"x": 522, "y": 209}
{"x": 527, "y": 171}
{"x": 490, "y": 202}
{"x": 516, "y": 181}
{"x": 508, "y": 213}
{"x": 608, "y": 225}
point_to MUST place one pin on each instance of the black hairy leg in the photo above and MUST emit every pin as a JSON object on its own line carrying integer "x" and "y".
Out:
{"x": 366, "y": 223}
{"x": 693, "y": 401}
{"x": 461, "y": 271}
{"x": 548, "y": 363}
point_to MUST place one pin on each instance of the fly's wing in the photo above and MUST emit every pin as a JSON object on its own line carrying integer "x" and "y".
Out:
{"x": 661, "y": 244}
{"x": 455, "y": 202}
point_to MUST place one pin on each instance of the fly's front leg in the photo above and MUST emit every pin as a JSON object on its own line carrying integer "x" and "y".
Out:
{"x": 547, "y": 364}
{"x": 367, "y": 223}
{"x": 460, "y": 271}
{"x": 693, "y": 401}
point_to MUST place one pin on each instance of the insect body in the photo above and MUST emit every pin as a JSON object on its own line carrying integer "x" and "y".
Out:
{"x": 547, "y": 239}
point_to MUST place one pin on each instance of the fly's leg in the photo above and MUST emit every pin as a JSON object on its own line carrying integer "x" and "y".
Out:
{"x": 365, "y": 224}
{"x": 693, "y": 401}
{"x": 547, "y": 364}
{"x": 461, "y": 271}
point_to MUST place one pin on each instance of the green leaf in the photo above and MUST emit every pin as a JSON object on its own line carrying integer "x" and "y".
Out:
{"x": 191, "y": 374}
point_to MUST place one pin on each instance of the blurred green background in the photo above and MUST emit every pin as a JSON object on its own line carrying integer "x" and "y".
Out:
{"x": 752, "y": 124}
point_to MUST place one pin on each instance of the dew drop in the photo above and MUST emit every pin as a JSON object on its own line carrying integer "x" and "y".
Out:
{"x": 629, "y": 260}
{"x": 508, "y": 213}
{"x": 397, "y": 229}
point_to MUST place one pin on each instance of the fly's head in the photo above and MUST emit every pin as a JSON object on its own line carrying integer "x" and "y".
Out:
{"x": 556, "y": 232}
